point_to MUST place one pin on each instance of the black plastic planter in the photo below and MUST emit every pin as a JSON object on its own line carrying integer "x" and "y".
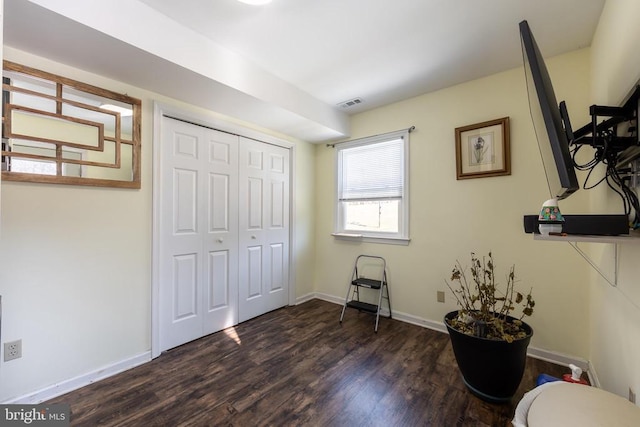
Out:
{"x": 491, "y": 369}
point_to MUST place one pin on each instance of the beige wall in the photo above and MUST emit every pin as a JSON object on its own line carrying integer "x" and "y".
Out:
{"x": 614, "y": 325}
{"x": 451, "y": 218}
{"x": 75, "y": 262}
{"x": 305, "y": 218}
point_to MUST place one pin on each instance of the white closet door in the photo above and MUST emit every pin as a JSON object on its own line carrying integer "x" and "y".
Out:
{"x": 264, "y": 228}
{"x": 221, "y": 234}
{"x": 198, "y": 232}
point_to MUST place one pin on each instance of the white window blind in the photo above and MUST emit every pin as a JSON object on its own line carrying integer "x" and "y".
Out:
{"x": 373, "y": 189}
{"x": 373, "y": 172}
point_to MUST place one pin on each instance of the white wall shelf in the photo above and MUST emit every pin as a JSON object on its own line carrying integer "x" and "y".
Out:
{"x": 633, "y": 238}
{"x": 574, "y": 239}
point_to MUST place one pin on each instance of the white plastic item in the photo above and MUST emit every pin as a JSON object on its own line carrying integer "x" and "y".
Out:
{"x": 576, "y": 372}
{"x": 545, "y": 229}
{"x": 564, "y": 404}
{"x": 550, "y": 219}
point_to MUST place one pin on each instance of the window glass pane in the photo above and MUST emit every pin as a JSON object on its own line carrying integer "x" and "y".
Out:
{"x": 33, "y": 166}
{"x": 376, "y": 216}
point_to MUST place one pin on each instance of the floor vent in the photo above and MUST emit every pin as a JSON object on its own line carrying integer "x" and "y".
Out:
{"x": 350, "y": 103}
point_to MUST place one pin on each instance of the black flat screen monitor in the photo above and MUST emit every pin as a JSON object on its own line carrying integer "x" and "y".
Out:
{"x": 547, "y": 121}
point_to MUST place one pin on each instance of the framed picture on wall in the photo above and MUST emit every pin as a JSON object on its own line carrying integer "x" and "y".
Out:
{"x": 482, "y": 149}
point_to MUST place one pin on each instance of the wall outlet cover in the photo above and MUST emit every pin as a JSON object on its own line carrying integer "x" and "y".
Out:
{"x": 12, "y": 350}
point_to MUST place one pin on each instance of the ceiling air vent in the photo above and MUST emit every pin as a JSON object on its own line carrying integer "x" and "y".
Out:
{"x": 350, "y": 103}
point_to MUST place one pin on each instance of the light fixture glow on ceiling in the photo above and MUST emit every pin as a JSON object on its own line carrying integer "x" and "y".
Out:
{"x": 255, "y": 2}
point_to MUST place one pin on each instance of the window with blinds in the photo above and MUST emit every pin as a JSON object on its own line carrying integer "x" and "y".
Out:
{"x": 372, "y": 190}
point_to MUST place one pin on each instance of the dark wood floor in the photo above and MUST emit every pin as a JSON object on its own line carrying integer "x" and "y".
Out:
{"x": 299, "y": 366}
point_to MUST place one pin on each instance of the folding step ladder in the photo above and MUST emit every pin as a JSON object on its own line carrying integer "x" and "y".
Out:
{"x": 359, "y": 280}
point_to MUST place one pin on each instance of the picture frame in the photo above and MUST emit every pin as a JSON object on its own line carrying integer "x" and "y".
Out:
{"x": 483, "y": 149}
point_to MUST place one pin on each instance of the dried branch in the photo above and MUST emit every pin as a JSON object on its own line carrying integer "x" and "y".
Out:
{"x": 495, "y": 306}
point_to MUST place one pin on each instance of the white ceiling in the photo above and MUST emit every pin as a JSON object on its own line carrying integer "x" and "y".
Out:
{"x": 385, "y": 50}
{"x": 302, "y": 56}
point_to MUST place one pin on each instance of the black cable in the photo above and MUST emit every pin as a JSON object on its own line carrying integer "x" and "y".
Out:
{"x": 612, "y": 175}
{"x": 589, "y": 187}
{"x": 627, "y": 194}
{"x": 622, "y": 196}
{"x": 590, "y": 166}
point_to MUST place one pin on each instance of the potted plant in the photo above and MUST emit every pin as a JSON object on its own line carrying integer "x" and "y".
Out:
{"x": 489, "y": 344}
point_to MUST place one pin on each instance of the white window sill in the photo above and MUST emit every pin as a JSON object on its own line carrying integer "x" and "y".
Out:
{"x": 370, "y": 239}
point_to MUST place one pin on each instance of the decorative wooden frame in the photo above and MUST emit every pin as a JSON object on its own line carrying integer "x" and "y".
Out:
{"x": 483, "y": 149}
{"x": 114, "y": 139}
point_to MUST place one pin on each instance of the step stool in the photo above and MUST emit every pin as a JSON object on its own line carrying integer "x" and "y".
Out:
{"x": 358, "y": 280}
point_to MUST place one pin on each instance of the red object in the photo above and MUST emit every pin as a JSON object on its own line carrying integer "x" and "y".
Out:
{"x": 567, "y": 378}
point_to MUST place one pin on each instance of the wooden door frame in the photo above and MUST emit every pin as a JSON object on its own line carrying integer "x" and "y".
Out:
{"x": 160, "y": 110}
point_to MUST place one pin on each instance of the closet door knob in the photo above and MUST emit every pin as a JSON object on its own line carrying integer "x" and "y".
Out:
{"x": 253, "y": 236}
{"x": 220, "y": 240}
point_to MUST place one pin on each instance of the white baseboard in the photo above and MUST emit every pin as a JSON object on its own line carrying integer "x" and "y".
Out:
{"x": 82, "y": 380}
{"x": 536, "y": 353}
{"x": 71, "y": 384}
{"x": 593, "y": 376}
{"x": 403, "y": 317}
{"x": 329, "y": 298}
{"x": 305, "y": 298}
{"x": 419, "y": 321}
{"x": 558, "y": 358}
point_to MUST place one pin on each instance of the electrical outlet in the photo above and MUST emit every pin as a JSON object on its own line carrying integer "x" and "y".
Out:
{"x": 632, "y": 396}
{"x": 440, "y": 296}
{"x": 12, "y": 350}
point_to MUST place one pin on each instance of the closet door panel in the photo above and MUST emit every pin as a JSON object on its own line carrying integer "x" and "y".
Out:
{"x": 198, "y": 232}
{"x": 181, "y": 315}
{"x": 264, "y": 228}
{"x": 220, "y": 240}
{"x": 224, "y": 230}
